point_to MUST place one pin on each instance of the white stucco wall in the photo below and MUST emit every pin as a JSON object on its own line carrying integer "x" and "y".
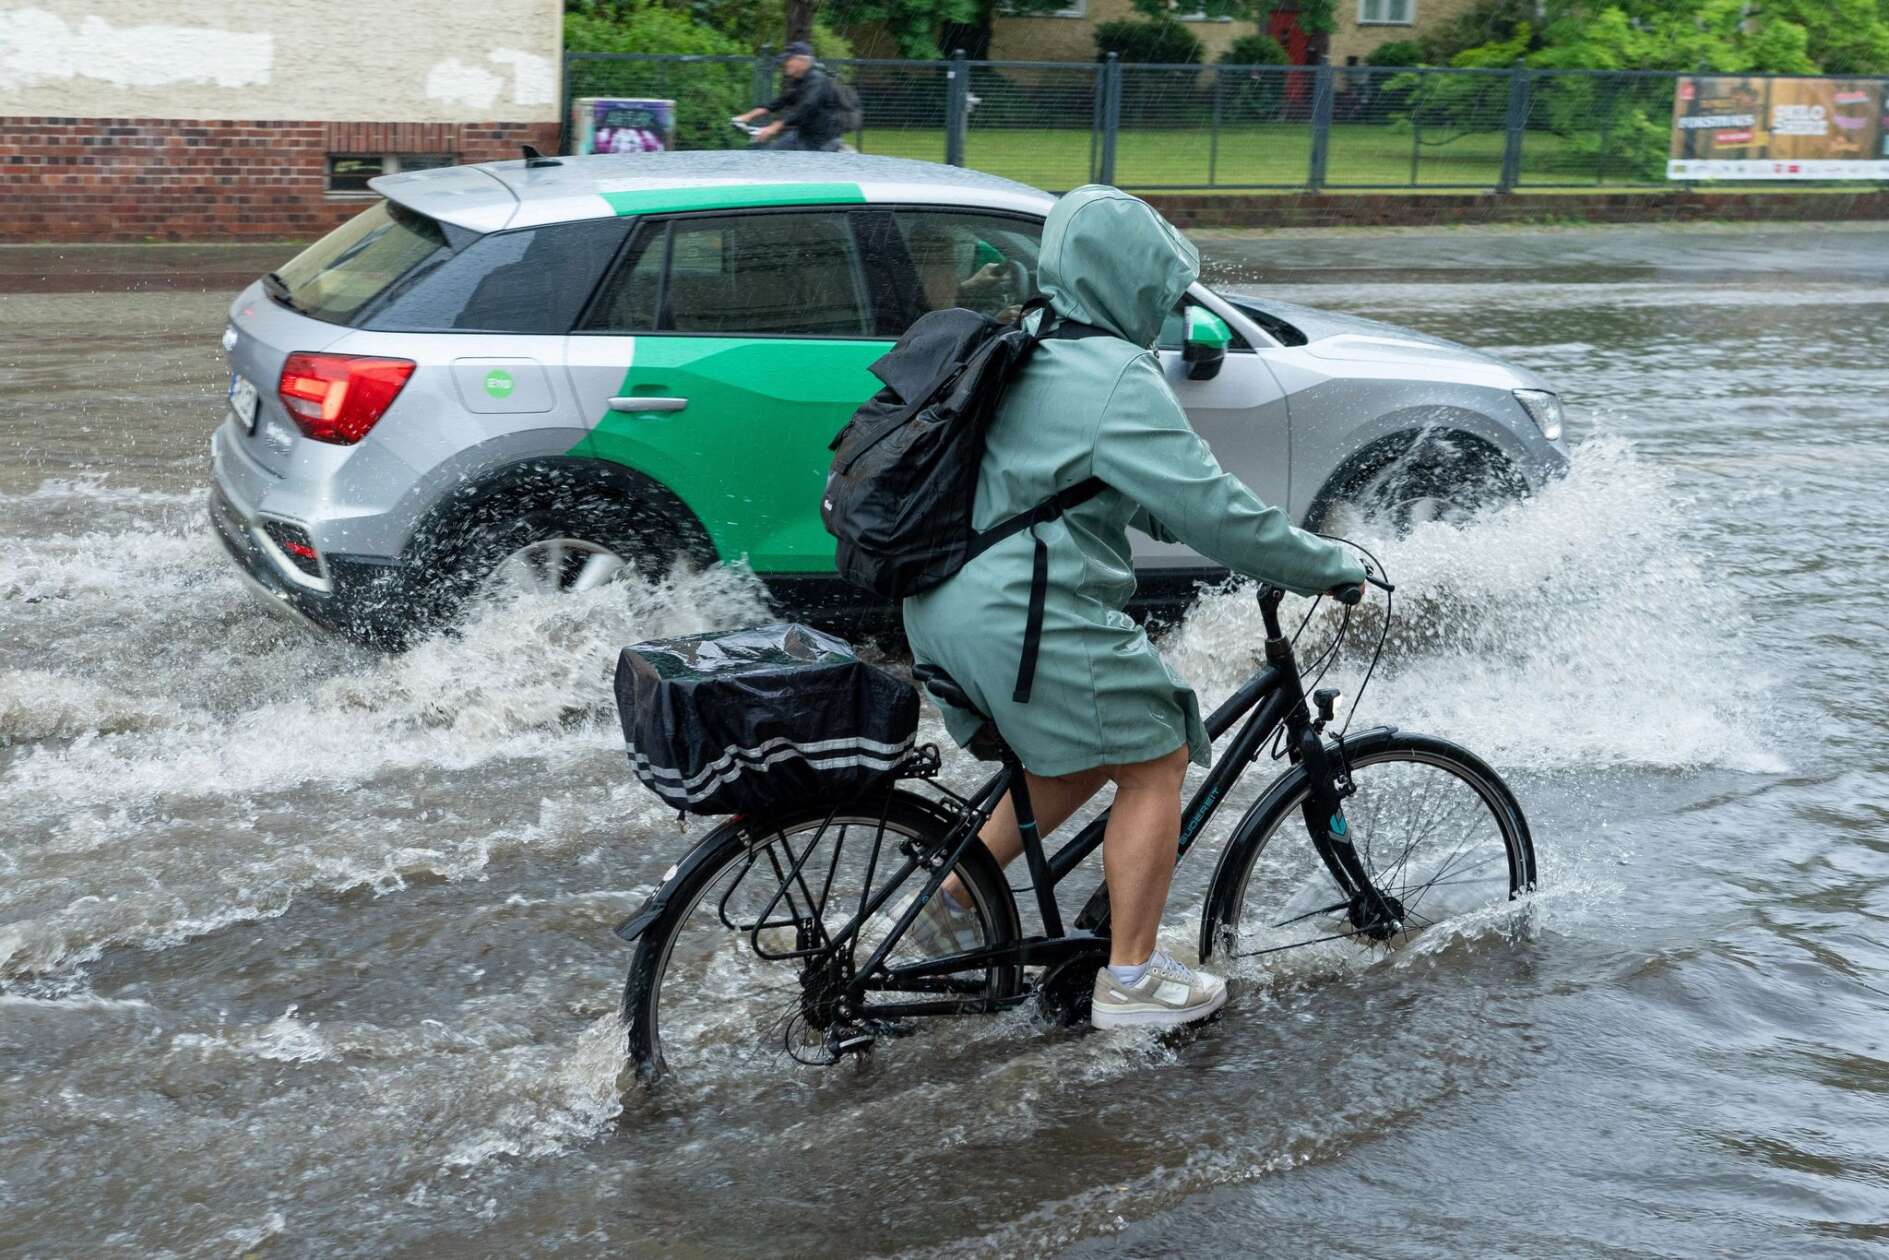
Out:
{"x": 320, "y": 60}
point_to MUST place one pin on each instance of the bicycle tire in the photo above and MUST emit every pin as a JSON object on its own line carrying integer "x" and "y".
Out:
{"x": 905, "y": 816}
{"x": 1232, "y": 896}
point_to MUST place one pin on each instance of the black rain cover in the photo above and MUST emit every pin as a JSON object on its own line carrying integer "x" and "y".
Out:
{"x": 747, "y": 721}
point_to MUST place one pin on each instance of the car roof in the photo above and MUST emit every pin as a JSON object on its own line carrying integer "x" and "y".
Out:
{"x": 493, "y": 195}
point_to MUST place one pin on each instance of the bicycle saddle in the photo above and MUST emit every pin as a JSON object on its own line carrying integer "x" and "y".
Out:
{"x": 986, "y": 744}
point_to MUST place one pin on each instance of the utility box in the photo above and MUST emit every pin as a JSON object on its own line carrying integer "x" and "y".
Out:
{"x": 618, "y": 124}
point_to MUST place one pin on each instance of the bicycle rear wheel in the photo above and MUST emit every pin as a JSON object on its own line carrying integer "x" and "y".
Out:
{"x": 1434, "y": 828}
{"x": 738, "y": 971}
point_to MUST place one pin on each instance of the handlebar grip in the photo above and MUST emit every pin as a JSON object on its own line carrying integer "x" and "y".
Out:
{"x": 1349, "y": 594}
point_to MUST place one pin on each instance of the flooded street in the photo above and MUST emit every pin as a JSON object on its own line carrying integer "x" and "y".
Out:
{"x": 307, "y": 950}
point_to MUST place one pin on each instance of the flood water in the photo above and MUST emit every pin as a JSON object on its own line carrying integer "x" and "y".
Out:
{"x": 306, "y": 950}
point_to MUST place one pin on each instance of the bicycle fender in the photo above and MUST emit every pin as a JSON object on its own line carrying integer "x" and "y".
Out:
{"x": 1246, "y": 831}
{"x": 658, "y": 901}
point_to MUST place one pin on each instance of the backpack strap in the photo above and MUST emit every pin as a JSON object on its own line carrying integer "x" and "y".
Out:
{"x": 1061, "y": 328}
{"x": 1048, "y": 510}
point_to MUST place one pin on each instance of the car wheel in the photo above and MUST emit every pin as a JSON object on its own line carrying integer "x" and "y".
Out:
{"x": 550, "y": 553}
{"x": 1432, "y": 478}
{"x": 553, "y": 566}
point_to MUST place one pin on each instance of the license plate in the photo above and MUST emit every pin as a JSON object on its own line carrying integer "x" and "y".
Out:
{"x": 243, "y": 400}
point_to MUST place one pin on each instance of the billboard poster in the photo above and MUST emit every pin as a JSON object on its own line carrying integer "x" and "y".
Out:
{"x": 615, "y": 124}
{"x": 1752, "y": 127}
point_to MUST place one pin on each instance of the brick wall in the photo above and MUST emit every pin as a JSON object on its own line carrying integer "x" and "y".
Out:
{"x": 136, "y": 179}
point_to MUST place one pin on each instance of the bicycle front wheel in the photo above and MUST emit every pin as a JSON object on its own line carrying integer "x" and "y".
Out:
{"x": 1434, "y": 828}
{"x": 739, "y": 972}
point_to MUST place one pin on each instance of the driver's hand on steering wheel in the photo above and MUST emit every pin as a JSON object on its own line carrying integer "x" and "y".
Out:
{"x": 989, "y": 276}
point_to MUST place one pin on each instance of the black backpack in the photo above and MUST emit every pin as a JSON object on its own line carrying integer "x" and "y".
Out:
{"x": 904, "y": 477}
{"x": 845, "y": 104}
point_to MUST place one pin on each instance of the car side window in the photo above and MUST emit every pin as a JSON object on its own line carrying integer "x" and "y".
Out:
{"x": 631, "y": 300}
{"x": 1173, "y": 328}
{"x": 793, "y": 274}
{"x": 983, "y": 262}
{"x": 529, "y": 281}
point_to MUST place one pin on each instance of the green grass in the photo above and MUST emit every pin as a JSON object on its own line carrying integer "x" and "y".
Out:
{"x": 1277, "y": 154}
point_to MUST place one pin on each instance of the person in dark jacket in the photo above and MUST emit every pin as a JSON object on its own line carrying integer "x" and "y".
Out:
{"x": 806, "y": 114}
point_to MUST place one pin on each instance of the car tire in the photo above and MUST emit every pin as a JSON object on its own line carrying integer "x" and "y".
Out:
{"x": 561, "y": 528}
{"x": 1396, "y": 485}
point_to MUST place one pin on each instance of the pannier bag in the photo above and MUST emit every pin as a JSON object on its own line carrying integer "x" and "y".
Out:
{"x": 747, "y": 721}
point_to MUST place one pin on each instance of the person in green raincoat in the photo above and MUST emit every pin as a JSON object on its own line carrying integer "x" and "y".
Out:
{"x": 1104, "y": 706}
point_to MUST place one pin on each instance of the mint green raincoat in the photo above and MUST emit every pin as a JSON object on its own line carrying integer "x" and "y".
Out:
{"x": 1099, "y": 407}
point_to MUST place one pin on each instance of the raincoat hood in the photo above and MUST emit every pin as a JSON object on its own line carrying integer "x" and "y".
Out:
{"x": 1110, "y": 260}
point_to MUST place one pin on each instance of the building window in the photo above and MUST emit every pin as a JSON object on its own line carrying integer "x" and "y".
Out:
{"x": 1387, "y": 12}
{"x": 348, "y": 173}
{"x": 1076, "y": 9}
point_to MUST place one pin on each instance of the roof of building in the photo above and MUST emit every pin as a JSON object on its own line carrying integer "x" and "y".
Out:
{"x": 495, "y": 195}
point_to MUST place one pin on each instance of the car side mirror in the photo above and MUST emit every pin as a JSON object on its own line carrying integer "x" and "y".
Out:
{"x": 1204, "y": 349}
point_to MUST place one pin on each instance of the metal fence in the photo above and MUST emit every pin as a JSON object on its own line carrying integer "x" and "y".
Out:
{"x": 1153, "y": 127}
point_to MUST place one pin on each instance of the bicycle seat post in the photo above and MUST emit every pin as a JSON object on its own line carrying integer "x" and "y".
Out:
{"x": 1041, "y": 880}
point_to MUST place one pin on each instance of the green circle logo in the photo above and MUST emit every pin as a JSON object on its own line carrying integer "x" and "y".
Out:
{"x": 498, "y": 383}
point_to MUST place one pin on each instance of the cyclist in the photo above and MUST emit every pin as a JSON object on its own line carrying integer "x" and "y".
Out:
{"x": 806, "y": 114}
{"x": 1104, "y": 706}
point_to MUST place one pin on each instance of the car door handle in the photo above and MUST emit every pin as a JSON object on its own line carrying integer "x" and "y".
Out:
{"x": 629, "y": 403}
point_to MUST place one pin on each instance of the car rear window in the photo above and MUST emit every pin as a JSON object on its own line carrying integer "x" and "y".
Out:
{"x": 354, "y": 264}
{"x": 530, "y": 281}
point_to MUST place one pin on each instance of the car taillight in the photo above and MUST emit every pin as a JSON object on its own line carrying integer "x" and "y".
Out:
{"x": 339, "y": 397}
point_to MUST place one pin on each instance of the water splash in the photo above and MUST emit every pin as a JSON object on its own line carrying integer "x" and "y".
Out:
{"x": 1577, "y": 629}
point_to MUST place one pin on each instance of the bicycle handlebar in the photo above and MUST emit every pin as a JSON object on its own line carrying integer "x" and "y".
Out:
{"x": 1351, "y": 594}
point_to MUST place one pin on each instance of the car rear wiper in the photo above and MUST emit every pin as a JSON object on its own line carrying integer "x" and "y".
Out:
{"x": 278, "y": 288}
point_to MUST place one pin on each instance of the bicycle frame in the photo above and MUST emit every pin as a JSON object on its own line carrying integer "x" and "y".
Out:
{"x": 1271, "y": 698}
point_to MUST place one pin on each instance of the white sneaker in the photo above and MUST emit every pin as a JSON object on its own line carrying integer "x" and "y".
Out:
{"x": 1166, "y": 996}
{"x": 938, "y": 932}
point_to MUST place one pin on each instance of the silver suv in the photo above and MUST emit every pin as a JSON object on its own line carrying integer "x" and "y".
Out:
{"x": 548, "y": 371}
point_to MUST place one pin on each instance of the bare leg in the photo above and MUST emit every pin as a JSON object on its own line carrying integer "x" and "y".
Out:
{"x": 1052, "y": 800}
{"x": 1144, "y": 831}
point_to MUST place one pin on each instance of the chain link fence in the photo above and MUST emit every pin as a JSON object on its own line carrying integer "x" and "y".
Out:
{"x": 1184, "y": 127}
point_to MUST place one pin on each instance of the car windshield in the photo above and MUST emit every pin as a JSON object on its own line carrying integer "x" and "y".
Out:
{"x": 357, "y": 262}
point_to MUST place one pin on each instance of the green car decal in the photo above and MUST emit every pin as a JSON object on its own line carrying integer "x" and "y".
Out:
{"x": 499, "y": 383}
{"x": 748, "y": 454}
{"x": 731, "y": 196}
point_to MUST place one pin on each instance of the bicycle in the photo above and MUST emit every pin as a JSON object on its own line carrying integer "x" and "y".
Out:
{"x": 739, "y": 918}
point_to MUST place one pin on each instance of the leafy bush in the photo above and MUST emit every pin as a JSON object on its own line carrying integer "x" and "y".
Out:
{"x": 1159, "y": 41}
{"x": 706, "y": 94}
{"x": 645, "y": 28}
{"x": 1254, "y": 50}
{"x": 1399, "y": 52}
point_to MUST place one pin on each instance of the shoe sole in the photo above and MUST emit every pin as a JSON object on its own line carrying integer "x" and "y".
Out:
{"x": 1151, "y": 1017}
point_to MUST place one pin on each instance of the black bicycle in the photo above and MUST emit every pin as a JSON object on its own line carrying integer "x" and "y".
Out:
{"x": 790, "y": 933}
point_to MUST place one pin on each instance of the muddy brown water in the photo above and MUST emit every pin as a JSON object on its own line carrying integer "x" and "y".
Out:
{"x": 306, "y": 950}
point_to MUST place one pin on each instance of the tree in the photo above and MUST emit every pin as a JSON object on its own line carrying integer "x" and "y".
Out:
{"x": 1730, "y": 36}
{"x": 748, "y": 25}
{"x": 920, "y": 29}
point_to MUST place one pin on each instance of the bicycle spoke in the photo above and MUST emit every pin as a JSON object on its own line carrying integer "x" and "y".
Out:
{"x": 1425, "y": 835}
{"x": 752, "y": 963}
{"x": 1312, "y": 914}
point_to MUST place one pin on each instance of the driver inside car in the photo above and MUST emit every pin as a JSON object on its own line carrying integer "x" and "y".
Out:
{"x": 949, "y": 271}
